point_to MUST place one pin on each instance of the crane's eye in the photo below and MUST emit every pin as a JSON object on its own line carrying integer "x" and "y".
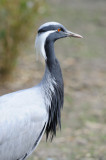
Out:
{"x": 59, "y": 29}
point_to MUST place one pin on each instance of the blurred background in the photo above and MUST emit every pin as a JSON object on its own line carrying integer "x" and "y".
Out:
{"x": 83, "y": 63}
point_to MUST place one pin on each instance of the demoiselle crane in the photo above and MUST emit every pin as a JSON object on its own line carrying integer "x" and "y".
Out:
{"x": 26, "y": 114}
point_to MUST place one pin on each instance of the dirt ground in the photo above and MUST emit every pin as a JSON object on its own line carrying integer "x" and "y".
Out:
{"x": 83, "y": 63}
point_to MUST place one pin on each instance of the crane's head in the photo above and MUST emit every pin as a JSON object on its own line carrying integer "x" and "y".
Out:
{"x": 50, "y": 32}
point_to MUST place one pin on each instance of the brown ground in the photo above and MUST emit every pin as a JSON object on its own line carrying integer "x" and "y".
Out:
{"x": 83, "y": 62}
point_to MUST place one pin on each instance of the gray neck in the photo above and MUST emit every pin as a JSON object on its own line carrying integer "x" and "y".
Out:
{"x": 49, "y": 49}
{"x": 53, "y": 89}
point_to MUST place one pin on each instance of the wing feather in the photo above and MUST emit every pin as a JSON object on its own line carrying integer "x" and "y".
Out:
{"x": 23, "y": 115}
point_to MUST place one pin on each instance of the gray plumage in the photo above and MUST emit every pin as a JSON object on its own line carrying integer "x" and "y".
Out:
{"x": 26, "y": 114}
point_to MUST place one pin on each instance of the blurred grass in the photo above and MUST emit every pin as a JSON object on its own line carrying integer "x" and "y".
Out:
{"x": 86, "y": 18}
{"x": 16, "y": 17}
{"x": 83, "y": 62}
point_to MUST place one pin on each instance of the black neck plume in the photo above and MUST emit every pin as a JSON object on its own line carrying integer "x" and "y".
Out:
{"x": 57, "y": 95}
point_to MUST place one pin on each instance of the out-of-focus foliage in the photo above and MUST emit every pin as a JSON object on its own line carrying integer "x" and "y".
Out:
{"x": 16, "y": 16}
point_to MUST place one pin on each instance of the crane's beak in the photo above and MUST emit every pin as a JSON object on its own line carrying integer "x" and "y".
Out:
{"x": 71, "y": 34}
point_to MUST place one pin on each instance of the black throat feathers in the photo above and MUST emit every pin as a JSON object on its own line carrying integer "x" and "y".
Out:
{"x": 57, "y": 95}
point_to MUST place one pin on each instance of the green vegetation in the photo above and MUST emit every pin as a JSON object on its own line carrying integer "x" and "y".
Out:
{"x": 16, "y": 17}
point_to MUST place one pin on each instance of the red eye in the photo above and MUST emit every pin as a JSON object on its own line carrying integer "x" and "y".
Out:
{"x": 59, "y": 29}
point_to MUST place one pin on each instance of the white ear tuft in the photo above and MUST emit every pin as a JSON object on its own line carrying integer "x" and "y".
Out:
{"x": 40, "y": 42}
{"x": 39, "y": 45}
